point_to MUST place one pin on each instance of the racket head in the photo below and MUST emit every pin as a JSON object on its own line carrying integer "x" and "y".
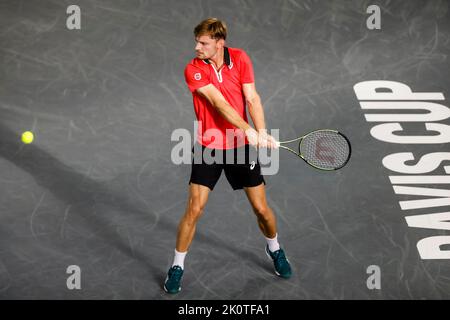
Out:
{"x": 325, "y": 149}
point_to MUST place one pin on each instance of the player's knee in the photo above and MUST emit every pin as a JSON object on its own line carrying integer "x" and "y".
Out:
{"x": 262, "y": 212}
{"x": 195, "y": 211}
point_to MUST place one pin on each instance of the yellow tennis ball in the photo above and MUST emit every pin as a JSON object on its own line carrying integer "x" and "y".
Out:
{"x": 27, "y": 137}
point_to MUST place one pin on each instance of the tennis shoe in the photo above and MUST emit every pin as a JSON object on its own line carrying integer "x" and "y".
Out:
{"x": 173, "y": 280}
{"x": 280, "y": 262}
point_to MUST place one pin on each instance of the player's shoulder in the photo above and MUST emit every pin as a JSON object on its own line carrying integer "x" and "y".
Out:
{"x": 236, "y": 52}
{"x": 238, "y": 55}
{"x": 196, "y": 64}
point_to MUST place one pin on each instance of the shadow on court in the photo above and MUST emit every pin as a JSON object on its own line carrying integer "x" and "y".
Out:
{"x": 83, "y": 194}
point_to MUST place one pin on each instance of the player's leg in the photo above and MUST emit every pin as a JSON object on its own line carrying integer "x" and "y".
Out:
{"x": 264, "y": 214}
{"x": 245, "y": 173}
{"x": 203, "y": 179}
{"x": 267, "y": 223}
{"x": 248, "y": 176}
{"x": 198, "y": 196}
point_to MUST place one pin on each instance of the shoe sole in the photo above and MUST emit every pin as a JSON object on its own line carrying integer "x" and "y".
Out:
{"x": 276, "y": 272}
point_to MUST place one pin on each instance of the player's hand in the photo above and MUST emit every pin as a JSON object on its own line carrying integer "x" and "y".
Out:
{"x": 252, "y": 137}
{"x": 274, "y": 143}
{"x": 267, "y": 141}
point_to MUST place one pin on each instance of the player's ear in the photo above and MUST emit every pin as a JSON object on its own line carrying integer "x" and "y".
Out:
{"x": 220, "y": 43}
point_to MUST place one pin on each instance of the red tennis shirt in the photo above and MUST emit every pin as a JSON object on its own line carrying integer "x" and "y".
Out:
{"x": 212, "y": 129}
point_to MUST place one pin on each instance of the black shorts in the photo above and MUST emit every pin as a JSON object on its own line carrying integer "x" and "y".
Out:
{"x": 241, "y": 167}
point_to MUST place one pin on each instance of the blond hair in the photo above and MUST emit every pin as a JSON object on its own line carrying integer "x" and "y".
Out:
{"x": 213, "y": 27}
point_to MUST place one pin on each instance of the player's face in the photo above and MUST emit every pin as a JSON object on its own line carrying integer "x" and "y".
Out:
{"x": 207, "y": 47}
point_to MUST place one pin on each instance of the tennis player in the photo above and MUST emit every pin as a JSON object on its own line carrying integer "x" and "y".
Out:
{"x": 222, "y": 83}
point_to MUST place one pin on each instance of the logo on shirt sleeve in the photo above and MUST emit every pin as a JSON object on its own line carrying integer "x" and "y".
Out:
{"x": 197, "y": 76}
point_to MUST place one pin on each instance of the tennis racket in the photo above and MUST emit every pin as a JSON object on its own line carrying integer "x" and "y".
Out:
{"x": 323, "y": 149}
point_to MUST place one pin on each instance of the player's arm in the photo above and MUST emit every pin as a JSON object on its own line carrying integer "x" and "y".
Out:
{"x": 218, "y": 101}
{"x": 256, "y": 111}
{"x": 254, "y": 105}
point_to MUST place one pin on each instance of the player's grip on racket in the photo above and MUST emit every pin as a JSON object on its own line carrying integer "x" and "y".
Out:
{"x": 323, "y": 149}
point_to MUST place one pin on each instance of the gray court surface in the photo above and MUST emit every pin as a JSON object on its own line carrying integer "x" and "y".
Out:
{"x": 97, "y": 188}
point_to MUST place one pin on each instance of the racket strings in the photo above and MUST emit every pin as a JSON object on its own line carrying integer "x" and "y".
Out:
{"x": 325, "y": 149}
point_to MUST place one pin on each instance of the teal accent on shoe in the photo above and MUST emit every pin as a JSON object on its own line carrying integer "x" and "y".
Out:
{"x": 173, "y": 280}
{"x": 280, "y": 262}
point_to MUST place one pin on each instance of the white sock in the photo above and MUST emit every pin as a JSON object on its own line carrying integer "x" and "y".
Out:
{"x": 178, "y": 259}
{"x": 273, "y": 243}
